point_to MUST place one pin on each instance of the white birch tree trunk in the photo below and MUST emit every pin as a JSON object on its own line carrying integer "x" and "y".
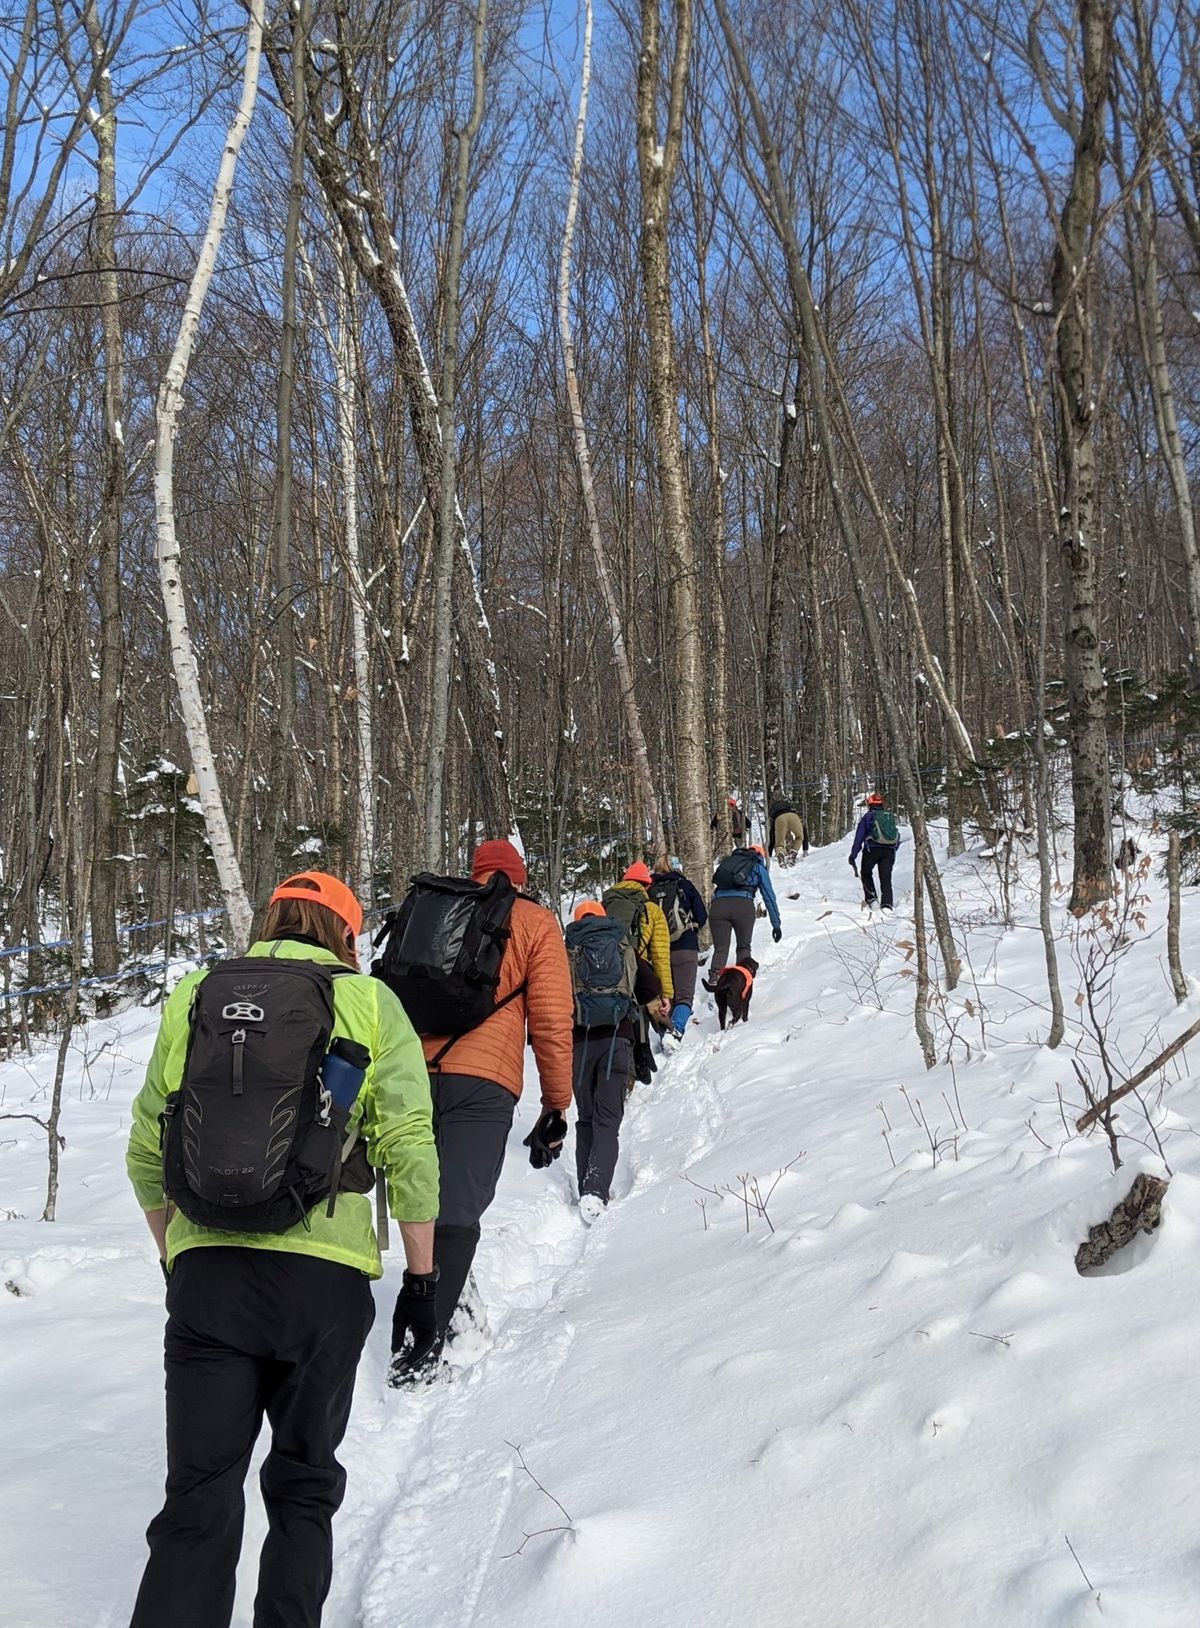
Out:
{"x": 347, "y": 427}
{"x": 625, "y": 675}
{"x": 170, "y": 402}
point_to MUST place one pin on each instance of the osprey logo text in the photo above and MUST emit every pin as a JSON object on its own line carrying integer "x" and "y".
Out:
{"x": 243, "y": 1012}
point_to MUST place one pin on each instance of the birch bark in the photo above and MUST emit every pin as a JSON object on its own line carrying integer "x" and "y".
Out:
{"x": 625, "y": 675}
{"x": 170, "y": 402}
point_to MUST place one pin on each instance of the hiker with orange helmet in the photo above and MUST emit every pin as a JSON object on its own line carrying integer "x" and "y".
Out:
{"x": 279, "y": 1082}
{"x": 736, "y": 880}
{"x": 877, "y": 838}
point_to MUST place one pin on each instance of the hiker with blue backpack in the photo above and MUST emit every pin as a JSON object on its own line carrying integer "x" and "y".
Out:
{"x": 611, "y": 982}
{"x": 877, "y": 838}
{"x": 680, "y": 902}
{"x": 736, "y": 880}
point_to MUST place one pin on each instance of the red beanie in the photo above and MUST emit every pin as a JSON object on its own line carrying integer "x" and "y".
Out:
{"x": 640, "y": 872}
{"x": 499, "y": 856}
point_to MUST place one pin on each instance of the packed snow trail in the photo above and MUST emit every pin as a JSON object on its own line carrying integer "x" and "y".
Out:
{"x": 888, "y": 1404}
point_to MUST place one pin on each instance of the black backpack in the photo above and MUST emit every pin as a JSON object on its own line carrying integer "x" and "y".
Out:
{"x": 251, "y": 1140}
{"x": 443, "y": 950}
{"x": 667, "y": 893}
{"x": 603, "y": 972}
{"x": 737, "y": 870}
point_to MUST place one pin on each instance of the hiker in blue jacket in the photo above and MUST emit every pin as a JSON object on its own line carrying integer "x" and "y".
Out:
{"x": 735, "y": 882}
{"x": 877, "y": 839}
{"x": 680, "y": 902}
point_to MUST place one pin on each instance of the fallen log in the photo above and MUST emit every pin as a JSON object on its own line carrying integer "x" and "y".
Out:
{"x": 1100, "y": 1108}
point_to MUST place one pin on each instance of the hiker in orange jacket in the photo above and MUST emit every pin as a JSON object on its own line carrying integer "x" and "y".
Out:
{"x": 475, "y": 1085}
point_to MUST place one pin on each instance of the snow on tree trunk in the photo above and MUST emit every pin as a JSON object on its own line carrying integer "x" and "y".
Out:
{"x": 1079, "y": 528}
{"x": 657, "y": 166}
{"x": 625, "y": 675}
{"x": 170, "y": 401}
{"x": 344, "y": 365}
{"x": 448, "y": 512}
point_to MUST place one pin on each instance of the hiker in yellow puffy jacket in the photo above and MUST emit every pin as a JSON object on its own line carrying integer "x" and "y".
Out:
{"x": 654, "y": 938}
{"x": 274, "y": 1323}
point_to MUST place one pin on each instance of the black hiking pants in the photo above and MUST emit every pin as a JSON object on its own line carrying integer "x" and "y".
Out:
{"x": 253, "y": 1333}
{"x": 471, "y": 1121}
{"x": 727, "y": 917}
{"x": 603, "y": 1072}
{"x": 879, "y": 860}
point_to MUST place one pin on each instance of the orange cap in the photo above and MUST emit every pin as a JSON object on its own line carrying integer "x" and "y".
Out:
{"x": 755, "y": 849}
{"x": 638, "y": 873}
{"x": 326, "y": 890}
{"x": 589, "y": 907}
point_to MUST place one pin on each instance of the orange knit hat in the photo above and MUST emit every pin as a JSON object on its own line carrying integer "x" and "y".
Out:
{"x": 326, "y": 890}
{"x": 638, "y": 873}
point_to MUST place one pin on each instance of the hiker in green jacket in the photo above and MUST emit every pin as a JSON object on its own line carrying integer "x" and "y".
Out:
{"x": 281, "y": 1082}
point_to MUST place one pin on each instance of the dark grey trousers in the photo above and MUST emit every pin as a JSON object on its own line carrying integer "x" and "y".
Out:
{"x": 683, "y": 975}
{"x": 727, "y": 918}
{"x": 471, "y": 1121}
{"x": 603, "y": 1069}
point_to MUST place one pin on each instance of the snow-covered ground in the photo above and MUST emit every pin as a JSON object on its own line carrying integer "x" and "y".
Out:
{"x": 889, "y": 1405}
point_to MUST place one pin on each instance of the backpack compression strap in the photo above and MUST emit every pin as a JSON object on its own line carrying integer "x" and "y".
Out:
{"x": 436, "y": 1060}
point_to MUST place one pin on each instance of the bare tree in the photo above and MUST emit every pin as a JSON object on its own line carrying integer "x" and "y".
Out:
{"x": 625, "y": 677}
{"x": 170, "y": 400}
{"x": 441, "y": 666}
{"x": 1072, "y": 281}
{"x": 658, "y": 163}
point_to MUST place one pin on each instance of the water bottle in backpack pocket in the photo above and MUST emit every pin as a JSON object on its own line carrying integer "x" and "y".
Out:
{"x": 251, "y": 1139}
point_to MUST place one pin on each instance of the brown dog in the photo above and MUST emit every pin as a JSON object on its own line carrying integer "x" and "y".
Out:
{"x": 735, "y": 985}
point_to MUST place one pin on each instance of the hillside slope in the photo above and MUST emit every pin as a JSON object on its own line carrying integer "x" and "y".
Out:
{"x": 886, "y": 1405}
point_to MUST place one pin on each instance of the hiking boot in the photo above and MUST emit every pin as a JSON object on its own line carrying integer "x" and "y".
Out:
{"x": 591, "y": 1207}
{"x": 672, "y": 1040}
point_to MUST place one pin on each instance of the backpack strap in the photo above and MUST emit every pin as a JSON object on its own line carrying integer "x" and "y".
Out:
{"x": 435, "y": 1061}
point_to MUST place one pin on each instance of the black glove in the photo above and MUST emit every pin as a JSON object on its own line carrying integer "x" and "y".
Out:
{"x": 777, "y": 933}
{"x": 854, "y": 867}
{"x": 414, "y": 1321}
{"x": 546, "y": 1139}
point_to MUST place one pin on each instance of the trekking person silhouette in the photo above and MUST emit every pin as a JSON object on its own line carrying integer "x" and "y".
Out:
{"x": 506, "y": 978}
{"x": 267, "y": 1244}
{"x": 736, "y": 880}
{"x": 877, "y": 838}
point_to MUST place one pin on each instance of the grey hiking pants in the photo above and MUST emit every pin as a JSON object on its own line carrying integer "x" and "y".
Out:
{"x": 603, "y": 1068}
{"x": 471, "y": 1121}
{"x": 683, "y": 976}
{"x": 727, "y": 917}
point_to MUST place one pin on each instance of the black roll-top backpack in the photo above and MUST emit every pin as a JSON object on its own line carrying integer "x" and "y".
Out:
{"x": 443, "y": 950}
{"x": 252, "y": 1141}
